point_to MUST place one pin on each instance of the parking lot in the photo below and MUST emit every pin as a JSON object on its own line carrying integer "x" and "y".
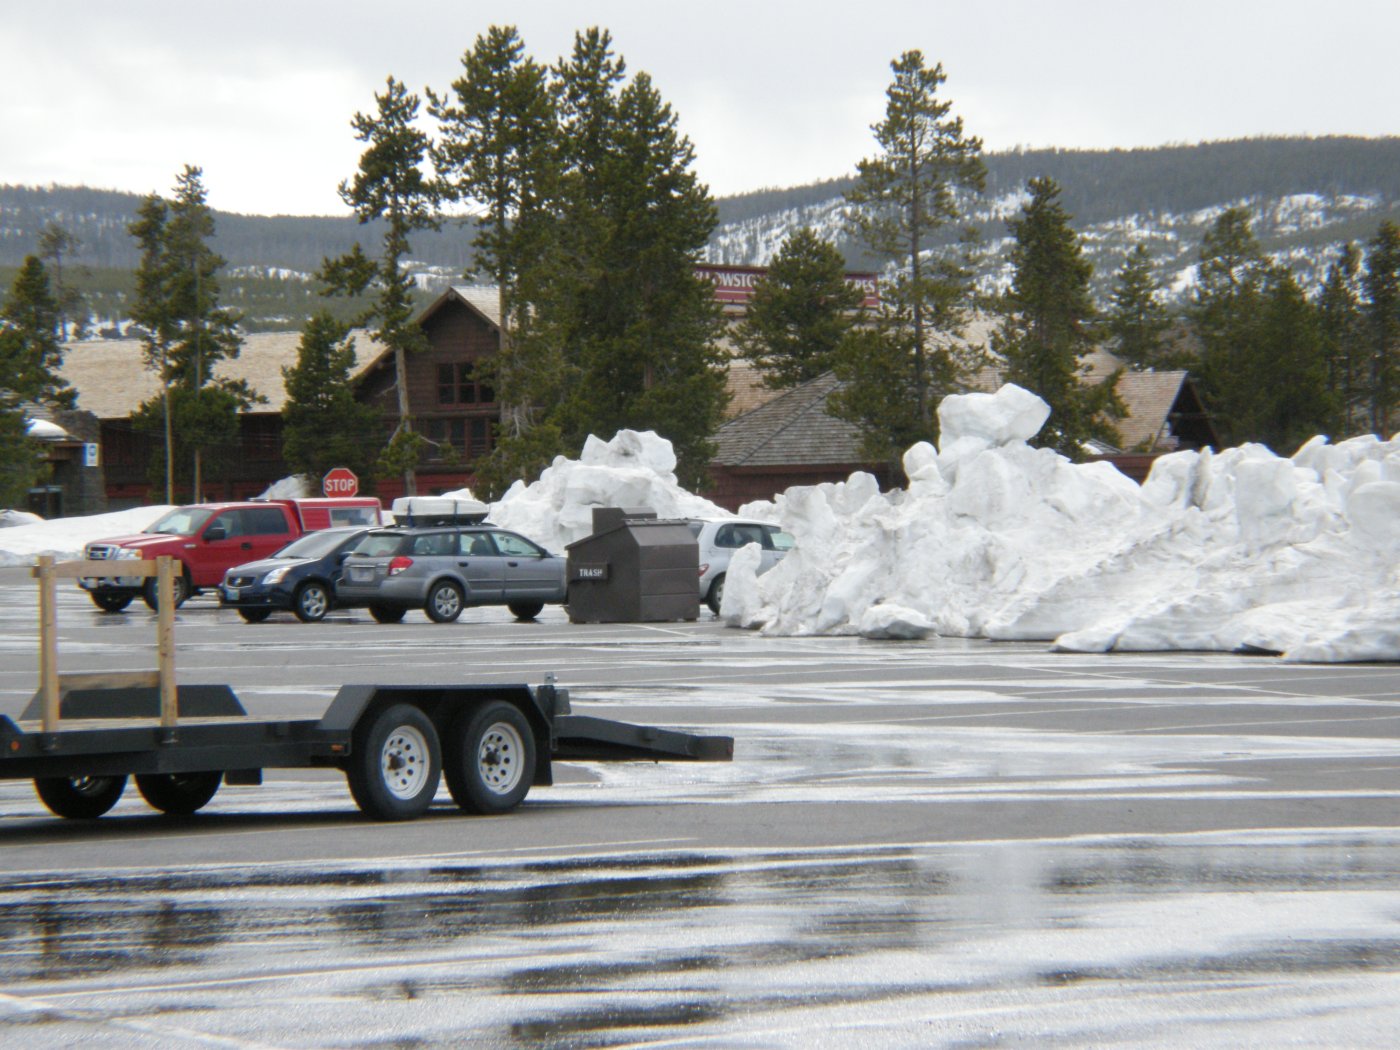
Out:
{"x": 942, "y": 843}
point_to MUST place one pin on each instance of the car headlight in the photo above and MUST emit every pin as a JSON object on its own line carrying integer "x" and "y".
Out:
{"x": 128, "y": 553}
{"x": 275, "y": 576}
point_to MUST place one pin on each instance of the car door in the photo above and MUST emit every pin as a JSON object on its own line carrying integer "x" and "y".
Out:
{"x": 531, "y": 572}
{"x": 481, "y": 566}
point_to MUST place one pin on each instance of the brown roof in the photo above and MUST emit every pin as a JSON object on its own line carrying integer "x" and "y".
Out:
{"x": 791, "y": 429}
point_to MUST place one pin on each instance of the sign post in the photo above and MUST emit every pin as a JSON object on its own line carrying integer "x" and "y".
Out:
{"x": 340, "y": 481}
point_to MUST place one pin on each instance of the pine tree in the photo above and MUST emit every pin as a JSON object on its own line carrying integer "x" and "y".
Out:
{"x": 1287, "y": 369}
{"x": 903, "y": 197}
{"x": 324, "y": 426}
{"x": 32, "y": 354}
{"x": 390, "y": 185}
{"x": 1137, "y": 321}
{"x": 801, "y": 312}
{"x": 1381, "y": 282}
{"x": 185, "y": 331}
{"x": 1343, "y": 337}
{"x": 54, "y": 243}
{"x": 1048, "y": 324}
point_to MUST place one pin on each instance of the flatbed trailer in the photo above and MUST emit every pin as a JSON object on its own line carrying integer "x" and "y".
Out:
{"x": 83, "y": 736}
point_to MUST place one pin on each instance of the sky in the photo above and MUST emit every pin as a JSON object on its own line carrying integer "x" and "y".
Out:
{"x": 771, "y": 93}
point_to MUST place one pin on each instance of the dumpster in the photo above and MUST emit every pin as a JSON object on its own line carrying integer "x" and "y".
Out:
{"x": 635, "y": 568}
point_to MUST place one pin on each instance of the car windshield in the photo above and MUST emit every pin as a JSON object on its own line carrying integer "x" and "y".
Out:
{"x": 782, "y": 541}
{"x": 183, "y": 522}
{"x": 313, "y": 545}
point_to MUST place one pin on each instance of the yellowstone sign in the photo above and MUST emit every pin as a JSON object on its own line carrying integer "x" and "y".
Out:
{"x": 734, "y": 285}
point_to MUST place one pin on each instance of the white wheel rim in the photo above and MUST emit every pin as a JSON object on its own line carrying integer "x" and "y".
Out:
{"x": 500, "y": 757}
{"x": 445, "y": 601}
{"x": 313, "y": 601}
{"x": 403, "y": 762}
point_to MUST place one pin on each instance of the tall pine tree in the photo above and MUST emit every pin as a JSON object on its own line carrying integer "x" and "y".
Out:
{"x": 1137, "y": 321}
{"x": 324, "y": 426}
{"x": 801, "y": 313}
{"x": 1047, "y": 324}
{"x": 914, "y": 188}
{"x": 391, "y": 185}
{"x": 1343, "y": 339}
{"x": 33, "y": 354}
{"x": 1381, "y": 282}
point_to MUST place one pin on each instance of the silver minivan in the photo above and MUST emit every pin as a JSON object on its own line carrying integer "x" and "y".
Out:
{"x": 444, "y": 569}
{"x": 719, "y": 538}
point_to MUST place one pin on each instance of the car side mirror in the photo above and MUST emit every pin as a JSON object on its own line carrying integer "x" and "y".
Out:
{"x": 215, "y": 532}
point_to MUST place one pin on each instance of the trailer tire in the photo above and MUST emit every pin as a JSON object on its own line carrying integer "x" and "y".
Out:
{"x": 386, "y": 614}
{"x": 79, "y": 798}
{"x": 110, "y": 601}
{"x": 180, "y": 584}
{"x": 490, "y": 758}
{"x": 312, "y": 601}
{"x": 445, "y": 602}
{"x": 254, "y": 615}
{"x": 395, "y": 764}
{"x": 178, "y": 794}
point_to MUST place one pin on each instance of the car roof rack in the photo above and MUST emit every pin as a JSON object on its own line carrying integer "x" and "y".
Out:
{"x": 437, "y": 510}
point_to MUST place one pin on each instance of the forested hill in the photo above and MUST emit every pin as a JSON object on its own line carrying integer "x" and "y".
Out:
{"x": 1308, "y": 195}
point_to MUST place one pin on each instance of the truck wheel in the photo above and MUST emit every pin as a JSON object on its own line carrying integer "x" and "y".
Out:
{"x": 491, "y": 758}
{"x": 79, "y": 798}
{"x": 254, "y": 615}
{"x": 178, "y": 794}
{"x": 444, "y": 602}
{"x": 525, "y": 610}
{"x": 110, "y": 601}
{"x": 716, "y": 594}
{"x": 395, "y": 764}
{"x": 180, "y": 584}
{"x": 385, "y": 614}
{"x": 312, "y": 602}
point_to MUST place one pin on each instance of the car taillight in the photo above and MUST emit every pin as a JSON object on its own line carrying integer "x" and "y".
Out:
{"x": 704, "y": 569}
{"x": 398, "y": 565}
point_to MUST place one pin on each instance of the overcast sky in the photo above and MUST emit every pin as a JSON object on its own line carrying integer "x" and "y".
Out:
{"x": 123, "y": 94}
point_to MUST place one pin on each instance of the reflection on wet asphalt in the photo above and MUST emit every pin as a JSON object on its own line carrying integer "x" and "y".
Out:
{"x": 1162, "y": 942}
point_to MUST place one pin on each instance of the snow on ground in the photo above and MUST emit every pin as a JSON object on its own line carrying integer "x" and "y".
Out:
{"x": 1241, "y": 549}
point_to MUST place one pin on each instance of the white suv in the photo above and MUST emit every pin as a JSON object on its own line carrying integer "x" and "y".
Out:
{"x": 719, "y": 538}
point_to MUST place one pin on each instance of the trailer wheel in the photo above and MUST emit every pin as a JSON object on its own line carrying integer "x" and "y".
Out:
{"x": 254, "y": 615}
{"x": 312, "y": 602}
{"x": 444, "y": 602}
{"x": 525, "y": 610}
{"x": 180, "y": 584}
{"x": 110, "y": 601}
{"x": 395, "y": 764}
{"x": 178, "y": 794}
{"x": 491, "y": 758}
{"x": 386, "y": 614}
{"x": 79, "y": 798}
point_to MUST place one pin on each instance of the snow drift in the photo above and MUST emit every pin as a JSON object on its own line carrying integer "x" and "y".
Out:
{"x": 1237, "y": 550}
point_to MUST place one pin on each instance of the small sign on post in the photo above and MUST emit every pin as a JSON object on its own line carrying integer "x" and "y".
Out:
{"x": 340, "y": 481}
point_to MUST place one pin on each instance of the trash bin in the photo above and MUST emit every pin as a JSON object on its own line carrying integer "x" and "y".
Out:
{"x": 635, "y": 568}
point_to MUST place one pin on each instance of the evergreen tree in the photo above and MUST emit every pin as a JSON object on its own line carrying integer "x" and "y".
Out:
{"x": 32, "y": 353}
{"x": 1343, "y": 337}
{"x": 1048, "y": 324}
{"x": 1137, "y": 321}
{"x": 185, "y": 331}
{"x": 1381, "y": 282}
{"x": 1288, "y": 369}
{"x": 54, "y": 243}
{"x": 390, "y": 185}
{"x": 622, "y": 296}
{"x": 801, "y": 312}
{"x": 913, "y": 188}
{"x": 324, "y": 426}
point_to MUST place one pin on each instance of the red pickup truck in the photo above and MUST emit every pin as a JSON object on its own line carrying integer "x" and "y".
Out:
{"x": 208, "y": 539}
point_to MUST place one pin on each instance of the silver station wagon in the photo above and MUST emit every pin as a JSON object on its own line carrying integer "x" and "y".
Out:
{"x": 444, "y": 569}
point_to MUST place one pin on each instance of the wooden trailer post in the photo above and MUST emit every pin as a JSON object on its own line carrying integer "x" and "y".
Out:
{"x": 165, "y": 640}
{"x": 48, "y": 642}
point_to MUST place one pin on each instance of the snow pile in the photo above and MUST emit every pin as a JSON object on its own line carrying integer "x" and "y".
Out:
{"x": 64, "y": 538}
{"x": 632, "y": 470}
{"x": 1241, "y": 549}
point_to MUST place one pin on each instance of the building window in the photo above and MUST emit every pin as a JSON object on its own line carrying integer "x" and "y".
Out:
{"x": 458, "y": 384}
{"x": 469, "y": 438}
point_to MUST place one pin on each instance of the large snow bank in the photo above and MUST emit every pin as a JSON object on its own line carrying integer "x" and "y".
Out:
{"x": 634, "y": 469}
{"x": 1241, "y": 549}
{"x": 64, "y": 538}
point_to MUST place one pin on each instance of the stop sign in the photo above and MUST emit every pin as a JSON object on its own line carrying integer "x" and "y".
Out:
{"x": 340, "y": 481}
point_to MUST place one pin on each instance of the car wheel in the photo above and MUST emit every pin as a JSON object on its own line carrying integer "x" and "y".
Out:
{"x": 395, "y": 764}
{"x": 180, "y": 584}
{"x": 312, "y": 602}
{"x": 386, "y": 613}
{"x": 444, "y": 602}
{"x": 491, "y": 758}
{"x": 254, "y": 615}
{"x": 178, "y": 794}
{"x": 79, "y": 798}
{"x": 525, "y": 610}
{"x": 110, "y": 601}
{"x": 716, "y": 594}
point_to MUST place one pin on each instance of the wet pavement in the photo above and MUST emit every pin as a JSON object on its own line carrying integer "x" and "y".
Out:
{"x": 941, "y": 844}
